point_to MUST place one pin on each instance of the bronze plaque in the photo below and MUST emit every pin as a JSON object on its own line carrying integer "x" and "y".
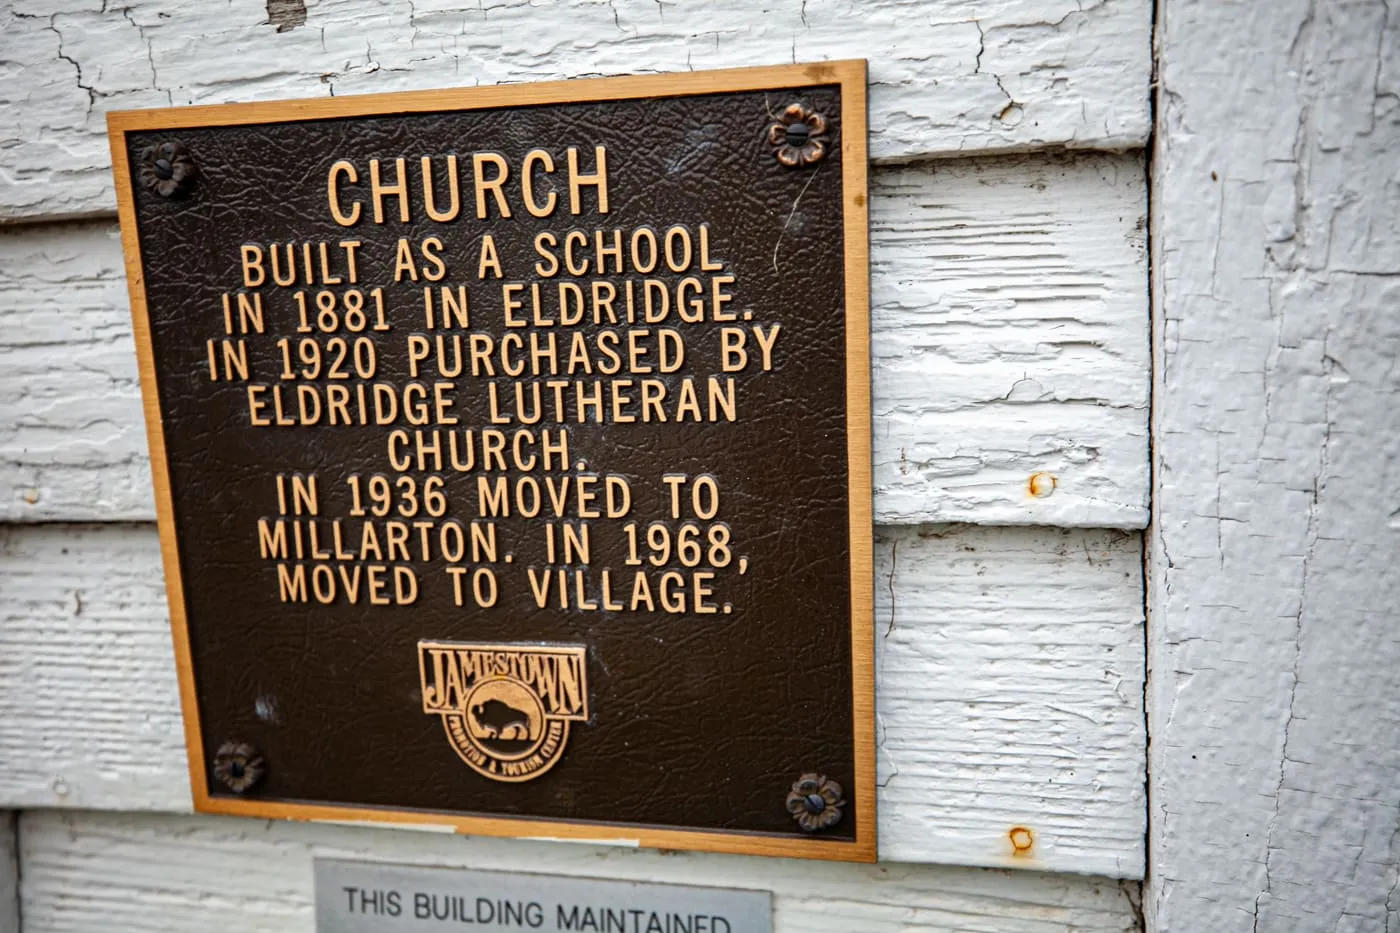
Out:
{"x": 511, "y": 452}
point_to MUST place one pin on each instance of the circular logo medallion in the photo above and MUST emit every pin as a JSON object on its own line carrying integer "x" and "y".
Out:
{"x": 502, "y": 731}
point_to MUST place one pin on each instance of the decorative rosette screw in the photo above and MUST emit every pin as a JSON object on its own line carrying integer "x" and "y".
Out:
{"x": 238, "y": 766}
{"x": 815, "y": 802}
{"x": 167, "y": 169}
{"x": 799, "y": 137}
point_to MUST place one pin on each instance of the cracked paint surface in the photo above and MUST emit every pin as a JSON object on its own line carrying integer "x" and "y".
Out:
{"x": 1275, "y": 692}
{"x": 1021, "y": 75}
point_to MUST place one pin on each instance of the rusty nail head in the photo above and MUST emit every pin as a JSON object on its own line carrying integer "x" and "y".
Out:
{"x": 1042, "y": 484}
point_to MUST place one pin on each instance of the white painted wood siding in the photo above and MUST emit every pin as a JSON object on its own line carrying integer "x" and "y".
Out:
{"x": 159, "y": 874}
{"x": 1010, "y": 673}
{"x": 1009, "y": 338}
{"x": 1275, "y": 696}
{"x": 947, "y": 77}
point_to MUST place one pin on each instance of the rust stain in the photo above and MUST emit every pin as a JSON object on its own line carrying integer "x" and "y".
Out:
{"x": 1022, "y": 839}
{"x": 1041, "y": 485}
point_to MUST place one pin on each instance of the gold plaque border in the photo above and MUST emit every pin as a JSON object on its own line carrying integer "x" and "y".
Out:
{"x": 851, "y": 76}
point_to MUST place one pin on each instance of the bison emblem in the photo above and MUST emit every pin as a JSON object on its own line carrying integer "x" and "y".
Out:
{"x": 498, "y": 720}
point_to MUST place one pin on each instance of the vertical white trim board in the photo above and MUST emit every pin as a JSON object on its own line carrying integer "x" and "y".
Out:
{"x": 1274, "y": 632}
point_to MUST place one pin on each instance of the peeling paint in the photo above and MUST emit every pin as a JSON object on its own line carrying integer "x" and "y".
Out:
{"x": 1028, "y": 74}
{"x": 286, "y": 15}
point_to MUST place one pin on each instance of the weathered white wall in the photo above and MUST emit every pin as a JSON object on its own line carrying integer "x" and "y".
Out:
{"x": 947, "y": 77}
{"x": 1010, "y": 339}
{"x": 1275, "y": 649}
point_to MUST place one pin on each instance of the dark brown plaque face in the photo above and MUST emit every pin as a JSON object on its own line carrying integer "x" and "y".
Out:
{"x": 511, "y": 450}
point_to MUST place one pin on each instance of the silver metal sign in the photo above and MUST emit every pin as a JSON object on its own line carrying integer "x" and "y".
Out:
{"x": 370, "y": 897}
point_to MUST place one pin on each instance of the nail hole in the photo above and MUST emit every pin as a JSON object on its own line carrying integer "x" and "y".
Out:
{"x": 1041, "y": 485}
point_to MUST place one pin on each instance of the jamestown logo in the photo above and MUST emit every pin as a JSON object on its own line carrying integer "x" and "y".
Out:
{"x": 506, "y": 708}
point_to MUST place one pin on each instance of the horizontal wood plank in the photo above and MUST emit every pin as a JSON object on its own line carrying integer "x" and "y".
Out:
{"x": 1009, "y": 696}
{"x": 91, "y": 872}
{"x": 1010, "y": 338}
{"x": 1009, "y": 690}
{"x": 945, "y": 78}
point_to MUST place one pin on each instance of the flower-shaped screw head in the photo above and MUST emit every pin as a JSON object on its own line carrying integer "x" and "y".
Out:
{"x": 799, "y": 137}
{"x": 238, "y": 766}
{"x": 167, "y": 169}
{"x": 815, "y": 802}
